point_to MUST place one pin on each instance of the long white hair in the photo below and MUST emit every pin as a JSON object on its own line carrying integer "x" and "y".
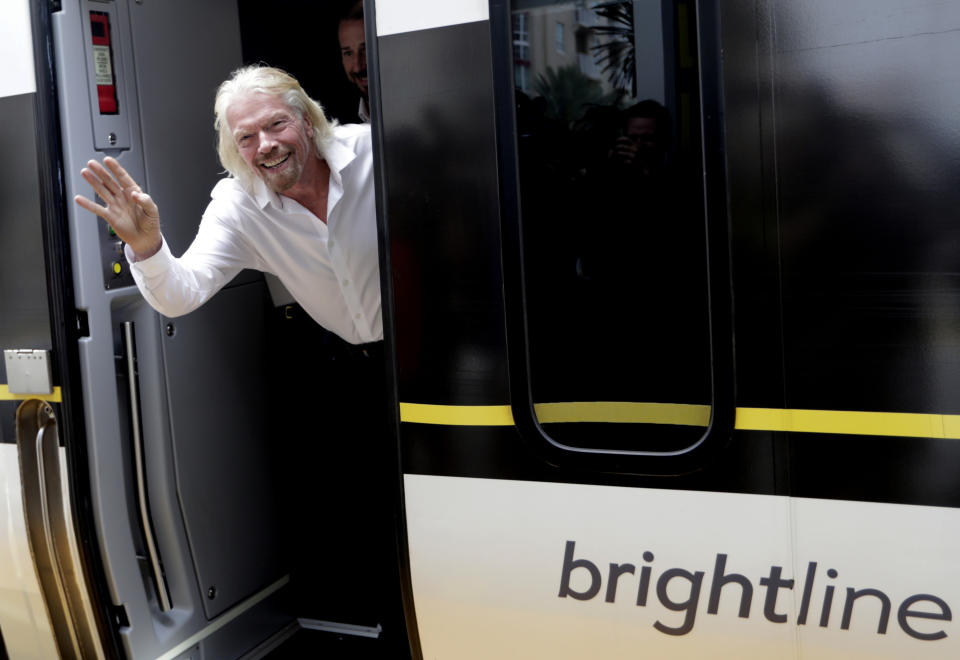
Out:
{"x": 265, "y": 80}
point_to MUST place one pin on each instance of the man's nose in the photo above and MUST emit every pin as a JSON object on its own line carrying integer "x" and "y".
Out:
{"x": 267, "y": 143}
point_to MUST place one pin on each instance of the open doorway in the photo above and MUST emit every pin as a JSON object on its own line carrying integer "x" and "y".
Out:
{"x": 337, "y": 465}
{"x": 268, "y": 484}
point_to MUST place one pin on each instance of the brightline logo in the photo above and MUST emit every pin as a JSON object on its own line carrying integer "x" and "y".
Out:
{"x": 931, "y": 607}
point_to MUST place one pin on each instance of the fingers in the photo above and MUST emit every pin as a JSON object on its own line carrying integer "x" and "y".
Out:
{"x": 130, "y": 211}
{"x": 101, "y": 182}
{"x": 625, "y": 153}
{"x": 113, "y": 178}
{"x": 146, "y": 204}
{"x": 125, "y": 180}
{"x": 85, "y": 203}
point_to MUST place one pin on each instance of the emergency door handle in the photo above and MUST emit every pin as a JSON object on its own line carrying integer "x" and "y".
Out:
{"x": 143, "y": 501}
{"x": 50, "y": 532}
{"x": 45, "y": 495}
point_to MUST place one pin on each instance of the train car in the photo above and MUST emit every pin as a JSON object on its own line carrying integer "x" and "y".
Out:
{"x": 671, "y": 321}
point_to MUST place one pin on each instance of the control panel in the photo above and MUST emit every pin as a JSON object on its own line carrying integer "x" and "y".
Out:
{"x": 116, "y": 270}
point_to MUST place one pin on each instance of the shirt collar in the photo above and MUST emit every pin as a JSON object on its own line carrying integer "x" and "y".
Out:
{"x": 338, "y": 155}
{"x": 263, "y": 195}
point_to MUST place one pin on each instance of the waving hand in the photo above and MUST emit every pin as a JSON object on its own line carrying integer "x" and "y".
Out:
{"x": 131, "y": 212}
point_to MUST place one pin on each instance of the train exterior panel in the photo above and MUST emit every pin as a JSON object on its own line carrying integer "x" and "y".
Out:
{"x": 809, "y": 513}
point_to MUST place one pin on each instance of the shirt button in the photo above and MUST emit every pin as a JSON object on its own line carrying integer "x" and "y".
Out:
{"x": 346, "y": 283}
{"x": 330, "y": 244}
{"x": 356, "y": 316}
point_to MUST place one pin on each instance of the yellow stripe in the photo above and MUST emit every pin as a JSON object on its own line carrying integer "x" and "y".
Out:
{"x": 426, "y": 413}
{"x": 847, "y": 422}
{"x": 7, "y": 395}
{"x": 623, "y": 412}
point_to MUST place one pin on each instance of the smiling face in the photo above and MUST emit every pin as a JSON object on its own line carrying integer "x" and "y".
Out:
{"x": 353, "y": 53}
{"x": 274, "y": 140}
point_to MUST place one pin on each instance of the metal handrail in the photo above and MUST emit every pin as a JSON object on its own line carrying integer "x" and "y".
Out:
{"x": 156, "y": 567}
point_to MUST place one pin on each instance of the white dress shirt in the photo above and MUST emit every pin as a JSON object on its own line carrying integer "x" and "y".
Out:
{"x": 331, "y": 269}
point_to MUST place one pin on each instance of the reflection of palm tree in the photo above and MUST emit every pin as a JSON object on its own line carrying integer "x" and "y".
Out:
{"x": 569, "y": 93}
{"x": 617, "y": 55}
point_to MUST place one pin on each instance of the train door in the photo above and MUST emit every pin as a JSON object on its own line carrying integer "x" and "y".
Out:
{"x": 219, "y": 516}
{"x": 530, "y": 410}
{"x": 579, "y": 196}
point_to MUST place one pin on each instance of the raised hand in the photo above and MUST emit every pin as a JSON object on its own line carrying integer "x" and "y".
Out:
{"x": 624, "y": 151}
{"x": 131, "y": 212}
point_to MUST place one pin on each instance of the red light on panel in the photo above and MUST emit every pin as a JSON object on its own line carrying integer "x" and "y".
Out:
{"x": 103, "y": 62}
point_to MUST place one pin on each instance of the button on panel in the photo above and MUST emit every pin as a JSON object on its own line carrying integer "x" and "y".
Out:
{"x": 116, "y": 272}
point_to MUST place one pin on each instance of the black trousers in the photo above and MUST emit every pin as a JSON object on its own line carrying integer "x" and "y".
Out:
{"x": 341, "y": 477}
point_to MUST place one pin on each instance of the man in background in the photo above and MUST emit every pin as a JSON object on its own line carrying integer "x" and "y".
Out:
{"x": 353, "y": 54}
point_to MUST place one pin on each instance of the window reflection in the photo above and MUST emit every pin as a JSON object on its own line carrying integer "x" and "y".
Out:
{"x": 612, "y": 212}
{"x": 521, "y": 51}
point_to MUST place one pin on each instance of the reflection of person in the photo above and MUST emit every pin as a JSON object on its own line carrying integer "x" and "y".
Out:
{"x": 643, "y": 255}
{"x": 645, "y": 138}
{"x": 353, "y": 53}
{"x": 637, "y": 194}
{"x": 299, "y": 204}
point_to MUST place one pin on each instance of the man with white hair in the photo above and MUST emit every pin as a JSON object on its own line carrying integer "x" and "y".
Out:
{"x": 298, "y": 203}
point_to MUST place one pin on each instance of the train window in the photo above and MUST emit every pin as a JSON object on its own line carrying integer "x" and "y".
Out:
{"x": 611, "y": 206}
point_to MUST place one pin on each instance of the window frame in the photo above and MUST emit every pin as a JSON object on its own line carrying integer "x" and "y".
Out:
{"x": 720, "y": 301}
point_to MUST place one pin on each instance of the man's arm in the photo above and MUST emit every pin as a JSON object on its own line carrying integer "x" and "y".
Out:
{"x": 171, "y": 286}
{"x": 131, "y": 212}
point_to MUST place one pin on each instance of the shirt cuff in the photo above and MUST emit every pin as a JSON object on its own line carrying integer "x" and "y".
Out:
{"x": 152, "y": 265}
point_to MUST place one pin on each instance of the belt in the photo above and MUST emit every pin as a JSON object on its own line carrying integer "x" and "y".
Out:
{"x": 333, "y": 346}
{"x": 360, "y": 352}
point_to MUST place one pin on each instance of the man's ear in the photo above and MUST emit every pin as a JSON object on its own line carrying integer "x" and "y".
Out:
{"x": 309, "y": 125}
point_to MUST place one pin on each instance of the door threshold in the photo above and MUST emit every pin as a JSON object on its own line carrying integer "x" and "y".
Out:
{"x": 341, "y": 628}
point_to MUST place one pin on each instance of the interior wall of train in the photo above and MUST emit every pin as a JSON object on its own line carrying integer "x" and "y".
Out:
{"x": 671, "y": 326}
